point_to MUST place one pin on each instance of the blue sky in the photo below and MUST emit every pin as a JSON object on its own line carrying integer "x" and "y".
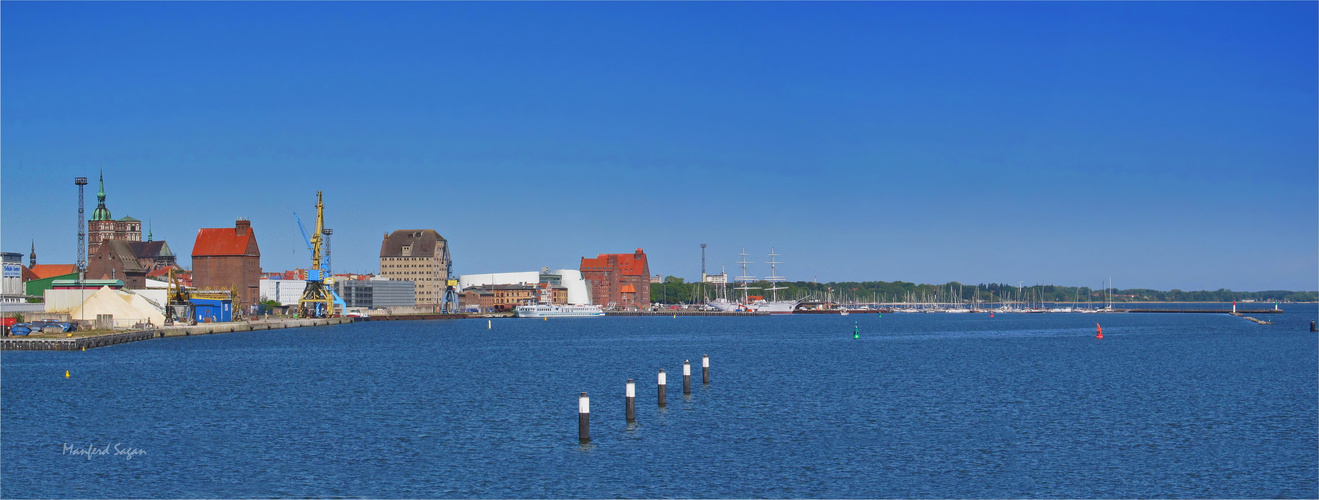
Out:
{"x": 1168, "y": 145}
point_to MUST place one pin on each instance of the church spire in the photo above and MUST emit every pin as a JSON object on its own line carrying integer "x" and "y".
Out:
{"x": 101, "y": 213}
{"x": 32, "y": 258}
{"x": 148, "y": 231}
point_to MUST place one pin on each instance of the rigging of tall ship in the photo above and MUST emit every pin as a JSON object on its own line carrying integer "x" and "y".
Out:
{"x": 757, "y": 303}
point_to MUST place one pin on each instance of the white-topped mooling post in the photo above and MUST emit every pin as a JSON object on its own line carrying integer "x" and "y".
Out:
{"x": 686, "y": 376}
{"x": 662, "y": 384}
{"x": 705, "y": 369}
{"x": 583, "y": 418}
{"x": 631, "y": 401}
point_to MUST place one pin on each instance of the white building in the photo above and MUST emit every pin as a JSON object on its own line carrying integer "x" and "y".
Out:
{"x": 718, "y": 279}
{"x": 286, "y": 292}
{"x": 12, "y": 287}
{"x": 578, "y": 291}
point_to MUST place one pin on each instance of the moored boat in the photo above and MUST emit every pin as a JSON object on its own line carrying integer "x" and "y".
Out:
{"x": 557, "y": 311}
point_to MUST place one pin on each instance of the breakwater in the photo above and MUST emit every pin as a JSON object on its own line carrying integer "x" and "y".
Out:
{"x": 94, "y": 341}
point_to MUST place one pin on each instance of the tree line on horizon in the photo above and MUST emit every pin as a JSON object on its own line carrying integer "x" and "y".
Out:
{"x": 676, "y": 290}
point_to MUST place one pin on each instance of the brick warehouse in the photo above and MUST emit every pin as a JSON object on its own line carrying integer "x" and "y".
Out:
{"x": 228, "y": 257}
{"x": 420, "y": 256}
{"x": 619, "y": 279}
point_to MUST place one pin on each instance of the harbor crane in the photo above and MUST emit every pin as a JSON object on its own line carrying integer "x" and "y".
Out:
{"x": 449, "y": 303}
{"x": 317, "y": 299}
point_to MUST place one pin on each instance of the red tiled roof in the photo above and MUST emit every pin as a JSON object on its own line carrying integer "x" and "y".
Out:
{"x": 628, "y": 288}
{"x": 44, "y": 271}
{"x": 164, "y": 271}
{"x": 629, "y": 264}
{"x": 220, "y": 241}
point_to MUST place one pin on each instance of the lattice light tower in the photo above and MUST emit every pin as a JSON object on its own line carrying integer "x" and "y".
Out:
{"x": 82, "y": 233}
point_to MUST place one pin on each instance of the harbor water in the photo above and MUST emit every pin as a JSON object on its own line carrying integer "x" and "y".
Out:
{"x": 920, "y": 406}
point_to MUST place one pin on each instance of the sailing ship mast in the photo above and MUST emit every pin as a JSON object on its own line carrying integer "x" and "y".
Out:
{"x": 773, "y": 277}
{"x": 744, "y": 278}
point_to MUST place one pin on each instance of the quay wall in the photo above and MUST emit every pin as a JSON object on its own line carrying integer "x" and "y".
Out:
{"x": 92, "y": 342}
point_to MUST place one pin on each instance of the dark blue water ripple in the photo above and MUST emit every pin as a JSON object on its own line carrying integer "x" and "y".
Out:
{"x": 923, "y": 406}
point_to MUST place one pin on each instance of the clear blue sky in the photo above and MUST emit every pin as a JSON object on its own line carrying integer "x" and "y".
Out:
{"x": 1168, "y": 145}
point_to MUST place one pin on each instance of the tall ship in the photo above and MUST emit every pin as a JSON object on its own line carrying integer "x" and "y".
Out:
{"x": 757, "y": 303}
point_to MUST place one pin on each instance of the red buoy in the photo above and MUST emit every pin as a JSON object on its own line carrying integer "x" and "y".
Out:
{"x": 1099, "y": 331}
{"x": 991, "y": 314}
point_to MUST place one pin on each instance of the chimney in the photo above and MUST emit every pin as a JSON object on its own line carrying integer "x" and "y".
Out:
{"x": 242, "y": 227}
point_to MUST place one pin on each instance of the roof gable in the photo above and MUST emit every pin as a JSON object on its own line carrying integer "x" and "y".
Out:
{"x": 224, "y": 241}
{"x": 123, "y": 252}
{"x": 420, "y": 243}
{"x": 629, "y": 264}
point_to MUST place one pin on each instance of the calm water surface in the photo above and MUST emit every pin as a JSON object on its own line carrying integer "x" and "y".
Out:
{"x": 923, "y": 405}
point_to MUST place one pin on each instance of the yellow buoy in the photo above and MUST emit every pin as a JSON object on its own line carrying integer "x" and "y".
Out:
{"x": 66, "y": 374}
{"x": 70, "y": 335}
{"x": 546, "y": 318}
{"x": 84, "y": 348}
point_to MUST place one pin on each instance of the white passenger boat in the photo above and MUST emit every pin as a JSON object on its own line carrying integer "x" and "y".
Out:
{"x": 557, "y": 311}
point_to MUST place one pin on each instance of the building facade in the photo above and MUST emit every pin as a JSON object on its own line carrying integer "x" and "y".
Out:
{"x": 131, "y": 261}
{"x": 490, "y": 298}
{"x": 103, "y": 227}
{"x": 420, "y": 256}
{"x": 116, "y": 260}
{"x": 377, "y": 293}
{"x": 11, "y": 286}
{"x": 618, "y": 280}
{"x": 224, "y": 258}
{"x": 285, "y": 291}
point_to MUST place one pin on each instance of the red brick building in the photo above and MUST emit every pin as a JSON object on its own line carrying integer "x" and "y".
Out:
{"x": 228, "y": 257}
{"x": 619, "y": 279}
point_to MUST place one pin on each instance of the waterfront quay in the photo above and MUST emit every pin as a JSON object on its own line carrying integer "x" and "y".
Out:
{"x": 94, "y": 341}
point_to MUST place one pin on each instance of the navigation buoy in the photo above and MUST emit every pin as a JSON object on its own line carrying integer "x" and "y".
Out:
{"x": 84, "y": 348}
{"x": 991, "y": 314}
{"x": 66, "y": 374}
{"x": 546, "y": 318}
{"x": 1099, "y": 331}
{"x": 856, "y": 332}
{"x": 488, "y": 326}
